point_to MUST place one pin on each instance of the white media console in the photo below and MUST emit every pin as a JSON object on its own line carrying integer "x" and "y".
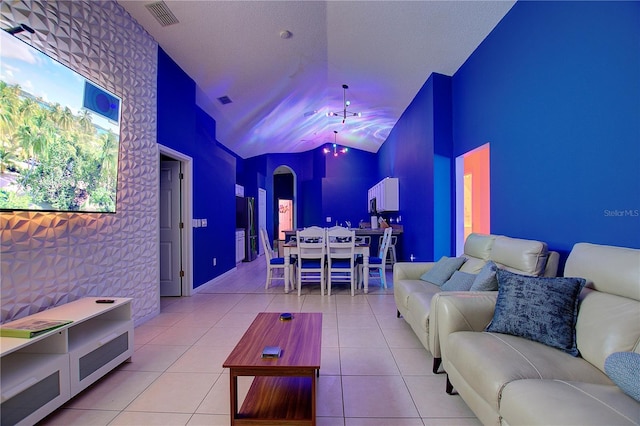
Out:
{"x": 40, "y": 374}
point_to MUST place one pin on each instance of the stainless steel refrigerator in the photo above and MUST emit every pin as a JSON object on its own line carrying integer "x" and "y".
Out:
{"x": 246, "y": 218}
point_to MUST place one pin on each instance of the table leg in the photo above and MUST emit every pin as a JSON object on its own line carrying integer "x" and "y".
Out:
{"x": 365, "y": 270}
{"x": 233, "y": 380}
{"x": 286, "y": 271}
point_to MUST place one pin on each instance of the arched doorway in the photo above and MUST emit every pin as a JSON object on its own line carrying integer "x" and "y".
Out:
{"x": 284, "y": 201}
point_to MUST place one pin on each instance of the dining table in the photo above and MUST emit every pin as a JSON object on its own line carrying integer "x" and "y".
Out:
{"x": 290, "y": 248}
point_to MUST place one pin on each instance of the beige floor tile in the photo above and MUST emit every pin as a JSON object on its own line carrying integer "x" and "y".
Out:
{"x": 367, "y": 362}
{"x": 145, "y": 333}
{"x": 330, "y": 337}
{"x": 330, "y": 361}
{"x": 201, "y": 359}
{"x": 454, "y": 421}
{"x": 361, "y": 337}
{"x": 252, "y": 303}
{"x": 241, "y": 320}
{"x": 127, "y": 418}
{"x": 154, "y": 358}
{"x": 401, "y": 338}
{"x": 200, "y": 318}
{"x": 165, "y": 319}
{"x": 174, "y": 393}
{"x": 329, "y": 396}
{"x": 218, "y": 401}
{"x": 431, "y": 399}
{"x": 317, "y": 303}
{"x": 115, "y": 391}
{"x": 179, "y": 336}
{"x": 349, "y": 421}
{"x": 330, "y": 421}
{"x": 209, "y": 420}
{"x": 220, "y": 336}
{"x": 72, "y": 416}
{"x": 388, "y": 321}
{"x": 413, "y": 362}
{"x": 377, "y": 396}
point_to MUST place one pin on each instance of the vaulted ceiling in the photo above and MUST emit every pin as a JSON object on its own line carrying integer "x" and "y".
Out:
{"x": 283, "y": 63}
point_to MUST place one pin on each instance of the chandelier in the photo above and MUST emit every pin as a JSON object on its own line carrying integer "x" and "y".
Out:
{"x": 334, "y": 147}
{"x": 344, "y": 113}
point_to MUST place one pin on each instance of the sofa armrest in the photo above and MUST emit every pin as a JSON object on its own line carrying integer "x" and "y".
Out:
{"x": 410, "y": 270}
{"x": 462, "y": 311}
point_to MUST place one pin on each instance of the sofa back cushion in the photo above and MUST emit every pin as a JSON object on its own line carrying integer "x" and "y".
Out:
{"x": 477, "y": 250}
{"x": 527, "y": 257}
{"x": 610, "y": 306}
{"x": 610, "y": 269}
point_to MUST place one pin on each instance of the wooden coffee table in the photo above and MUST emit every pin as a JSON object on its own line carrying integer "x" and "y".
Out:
{"x": 283, "y": 391}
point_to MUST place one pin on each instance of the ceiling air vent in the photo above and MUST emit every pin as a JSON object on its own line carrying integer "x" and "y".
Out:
{"x": 224, "y": 100}
{"x": 162, "y": 13}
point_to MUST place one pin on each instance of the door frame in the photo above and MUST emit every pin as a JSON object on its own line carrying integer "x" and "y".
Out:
{"x": 186, "y": 213}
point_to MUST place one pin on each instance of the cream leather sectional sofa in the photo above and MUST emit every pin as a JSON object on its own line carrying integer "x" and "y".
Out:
{"x": 511, "y": 380}
{"x": 416, "y": 298}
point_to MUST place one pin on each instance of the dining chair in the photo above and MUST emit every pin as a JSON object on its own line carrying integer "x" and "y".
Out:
{"x": 311, "y": 250}
{"x": 341, "y": 263}
{"x": 273, "y": 261}
{"x": 377, "y": 264}
{"x": 391, "y": 252}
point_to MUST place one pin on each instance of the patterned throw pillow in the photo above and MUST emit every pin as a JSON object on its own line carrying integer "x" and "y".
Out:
{"x": 538, "y": 308}
{"x": 442, "y": 270}
{"x": 486, "y": 279}
{"x": 459, "y": 281}
{"x": 623, "y": 368}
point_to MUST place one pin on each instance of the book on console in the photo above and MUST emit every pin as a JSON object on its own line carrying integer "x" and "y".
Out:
{"x": 271, "y": 352}
{"x": 30, "y": 327}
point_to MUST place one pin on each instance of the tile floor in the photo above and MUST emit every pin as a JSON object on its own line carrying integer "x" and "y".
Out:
{"x": 374, "y": 370}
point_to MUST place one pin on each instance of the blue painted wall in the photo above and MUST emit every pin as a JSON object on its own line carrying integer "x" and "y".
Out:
{"x": 408, "y": 154}
{"x": 555, "y": 89}
{"x": 326, "y": 186}
{"x": 184, "y": 127}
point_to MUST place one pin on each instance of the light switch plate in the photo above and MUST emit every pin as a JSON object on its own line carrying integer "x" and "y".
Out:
{"x": 328, "y": 219}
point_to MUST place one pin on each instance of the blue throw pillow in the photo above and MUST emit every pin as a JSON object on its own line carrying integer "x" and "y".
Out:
{"x": 623, "y": 368}
{"x": 537, "y": 308}
{"x": 459, "y": 281}
{"x": 442, "y": 270}
{"x": 486, "y": 279}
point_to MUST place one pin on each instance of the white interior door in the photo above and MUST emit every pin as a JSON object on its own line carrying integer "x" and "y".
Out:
{"x": 170, "y": 238}
{"x": 262, "y": 215}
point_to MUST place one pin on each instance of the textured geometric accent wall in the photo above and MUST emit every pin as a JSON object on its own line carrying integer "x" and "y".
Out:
{"x": 48, "y": 259}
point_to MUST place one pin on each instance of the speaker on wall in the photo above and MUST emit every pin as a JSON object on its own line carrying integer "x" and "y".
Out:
{"x": 101, "y": 102}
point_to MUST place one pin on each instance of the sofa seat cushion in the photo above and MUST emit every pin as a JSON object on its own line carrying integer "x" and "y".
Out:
{"x": 557, "y": 402}
{"x": 419, "y": 305}
{"x": 403, "y": 289}
{"x": 489, "y": 361}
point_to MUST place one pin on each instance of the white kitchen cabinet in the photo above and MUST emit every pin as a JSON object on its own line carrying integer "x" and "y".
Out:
{"x": 240, "y": 234}
{"x": 387, "y": 195}
{"x": 39, "y": 374}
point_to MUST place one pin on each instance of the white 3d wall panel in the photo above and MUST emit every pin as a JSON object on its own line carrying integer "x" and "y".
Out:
{"x": 49, "y": 259}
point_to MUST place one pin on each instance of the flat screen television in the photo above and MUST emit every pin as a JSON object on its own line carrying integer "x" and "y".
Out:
{"x": 59, "y": 135}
